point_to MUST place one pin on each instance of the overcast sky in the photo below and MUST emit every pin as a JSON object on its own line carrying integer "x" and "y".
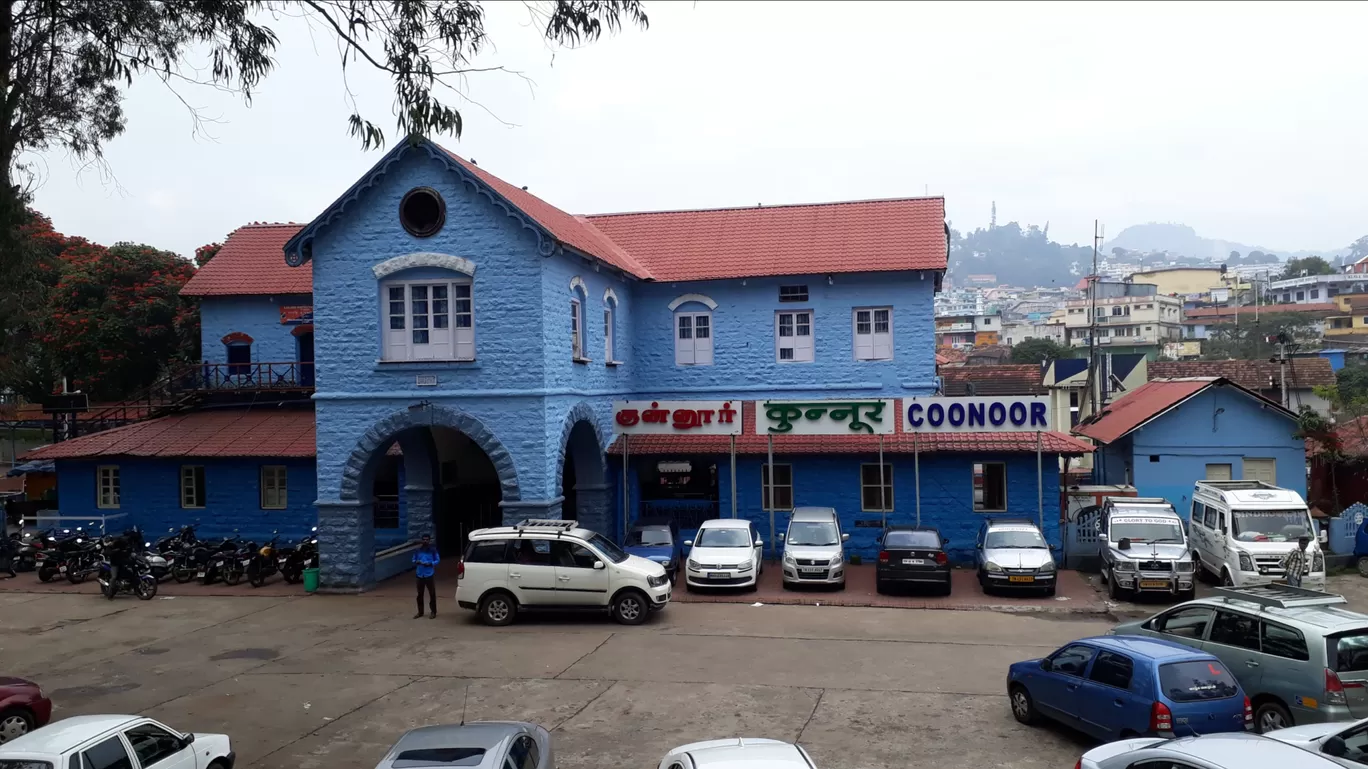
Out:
{"x": 1247, "y": 122}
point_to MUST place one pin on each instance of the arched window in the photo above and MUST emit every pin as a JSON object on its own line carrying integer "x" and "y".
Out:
{"x": 609, "y": 327}
{"x": 238, "y": 350}
{"x": 579, "y": 332}
{"x": 427, "y": 318}
{"x": 693, "y": 329}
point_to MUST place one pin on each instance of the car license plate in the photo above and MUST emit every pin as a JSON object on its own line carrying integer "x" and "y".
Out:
{"x": 812, "y": 569}
{"x": 914, "y": 561}
{"x": 717, "y": 575}
{"x": 199, "y": 574}
{"x": 1021, "y": 579}
{"x": 1160, "y": 583}
{"x": 246, "y": 561}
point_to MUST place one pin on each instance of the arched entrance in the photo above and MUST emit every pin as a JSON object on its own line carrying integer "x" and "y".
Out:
{"x": 584, "y": 475}
{"x": 428, "y": 469}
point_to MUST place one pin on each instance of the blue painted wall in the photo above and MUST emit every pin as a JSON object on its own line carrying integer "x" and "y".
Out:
{"x": 834, "y": 481}
{"x": 255, "y": 316}
{"x": 150, "y": 496}
{"x": 1220, "y": 426}
{"x": 745, "y": 360}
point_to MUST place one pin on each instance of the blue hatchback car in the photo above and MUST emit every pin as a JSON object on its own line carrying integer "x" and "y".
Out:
{"x": 657, "y": 539}
{"x": 1118, "y": 687}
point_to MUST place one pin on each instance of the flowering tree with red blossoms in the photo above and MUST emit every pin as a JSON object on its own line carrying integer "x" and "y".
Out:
{"x": 117, "y": 320}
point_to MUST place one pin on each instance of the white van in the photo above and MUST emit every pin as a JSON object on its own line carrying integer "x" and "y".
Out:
{"x": 1240, "y": 531}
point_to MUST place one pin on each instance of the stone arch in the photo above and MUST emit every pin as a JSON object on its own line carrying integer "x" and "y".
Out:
{"x": 383, "y": 433}
{"x": 424, "y": 259}
{"x": 700, "y": 298}
{"x": 590, "y": 493}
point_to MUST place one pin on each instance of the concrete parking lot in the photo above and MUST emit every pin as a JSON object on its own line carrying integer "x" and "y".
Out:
{"x": 331, "y": 681}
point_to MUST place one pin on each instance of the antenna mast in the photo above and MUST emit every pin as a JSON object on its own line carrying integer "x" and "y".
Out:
{"x": 1092, "y": 325}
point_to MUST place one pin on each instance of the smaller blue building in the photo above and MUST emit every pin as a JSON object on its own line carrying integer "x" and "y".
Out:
{"x": 1167, "y": 434}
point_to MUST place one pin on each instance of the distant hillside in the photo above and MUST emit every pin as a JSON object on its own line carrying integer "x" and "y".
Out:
{"x": 1183, "y": 240}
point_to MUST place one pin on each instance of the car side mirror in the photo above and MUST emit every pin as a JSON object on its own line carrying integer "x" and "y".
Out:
{"x": 1124, "y": 544}
{"x": 1046, "y": 665}
{"x": 598, "y": 565}
{"x": 759, "y": 543}
{"x": 187, "y": 740}
{"x": 1335, "y": 746}
{"x": 1054, "y": 547}
{"x": 688, "y": 543}
{"x": 845, "y": 537}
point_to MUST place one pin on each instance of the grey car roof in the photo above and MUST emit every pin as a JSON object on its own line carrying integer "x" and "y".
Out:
{"x": 813, "y": 514}
{"x": 1246, "y": 751}
{"x": 488, "y": 735}
{"x": 1329, "y": 619}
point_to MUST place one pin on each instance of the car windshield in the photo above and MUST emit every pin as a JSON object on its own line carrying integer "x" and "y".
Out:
{"x": 650, "y": 537}
{"x": 439, "y": 757}
{"x": 906, "y": 539}
{"x": 1269, "y": 525}
{"x": 720, "y": 537}
{"x": 1022, "y": 538}
{"x": 608, "y": 547}
{"x": 812, "y": 534}
{"x": 1145, "y": 530}
{"x": 1196, "y": 680}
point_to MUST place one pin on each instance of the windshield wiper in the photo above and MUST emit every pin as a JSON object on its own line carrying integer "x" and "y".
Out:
{"x": 1164, "y": 539}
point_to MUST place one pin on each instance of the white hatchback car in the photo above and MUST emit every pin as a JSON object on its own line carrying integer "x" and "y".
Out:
{"x": 726, "y": 552}
{"x": 555, "y": 565}
{"x": 116, "y": 741}
{"x": 737, "y": 753}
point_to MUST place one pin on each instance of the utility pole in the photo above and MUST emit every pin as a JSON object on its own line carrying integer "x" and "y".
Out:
{"x": 1282, "y": 366}
{"x": 1092, "y": 327}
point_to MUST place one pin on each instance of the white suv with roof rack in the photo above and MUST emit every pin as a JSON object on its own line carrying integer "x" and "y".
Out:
{"x": 556, "y": 565}
{"x": 1300, "y": 655}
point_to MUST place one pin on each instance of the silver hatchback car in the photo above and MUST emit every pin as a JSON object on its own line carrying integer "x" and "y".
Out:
{"x": 479, "y": 744}
{"x": 1300, "y": 655}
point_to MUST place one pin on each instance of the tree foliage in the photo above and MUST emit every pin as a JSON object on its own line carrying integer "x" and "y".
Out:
{"x": 1248, "y": 340}
{"x": 206, "y": 252}
{"x": 1017, "y": 256}
{"x": 1352, "y": 382}
{"x": 1311, "y": 265}
{"x": 1039, "y": 351}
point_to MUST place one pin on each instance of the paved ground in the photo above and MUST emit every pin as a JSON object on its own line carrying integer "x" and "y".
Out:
{"x": 1349, "y": 584}
{"x": 1074, "y": 594}
{"x": 330, "y": 681}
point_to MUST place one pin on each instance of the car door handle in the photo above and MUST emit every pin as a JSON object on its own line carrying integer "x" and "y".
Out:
{"x": 514, "y": 575}
{"x": 563, "y": 579}
{"x": 1119, "y": 703}
{"x": 1251, "y": 663}
{"x": 1072, "y": 687}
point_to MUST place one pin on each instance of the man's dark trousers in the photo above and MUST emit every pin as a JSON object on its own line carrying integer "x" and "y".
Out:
{"x": 429, "y": 584}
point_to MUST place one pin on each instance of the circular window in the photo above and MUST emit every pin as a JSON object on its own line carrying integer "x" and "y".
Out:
{"x": 422, "y": 212}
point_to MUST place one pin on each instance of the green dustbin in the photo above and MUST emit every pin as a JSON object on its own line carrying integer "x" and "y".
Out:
{"x": 310, "y": 580}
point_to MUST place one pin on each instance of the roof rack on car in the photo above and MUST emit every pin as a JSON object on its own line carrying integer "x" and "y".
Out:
{"x": 1279, "y": 596}
{"x": 1011, "y": 520}
{"x": 1140, "y": 501}
{"x": 545, "y": 523}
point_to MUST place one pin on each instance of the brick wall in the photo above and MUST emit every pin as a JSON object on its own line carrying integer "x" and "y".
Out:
{"x": 255, "y": 316}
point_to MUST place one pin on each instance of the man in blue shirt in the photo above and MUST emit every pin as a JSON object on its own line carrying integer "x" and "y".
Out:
{"x": 425, "y": 559}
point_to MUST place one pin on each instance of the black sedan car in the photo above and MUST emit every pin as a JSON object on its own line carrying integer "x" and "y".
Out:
{"x": 912, "y": 555}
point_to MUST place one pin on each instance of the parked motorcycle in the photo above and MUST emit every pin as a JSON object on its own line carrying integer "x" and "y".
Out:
{"x": 265, "y": 562}
{"x": 236, "y": 562}
{"x": 84, "y": 561}
{"x": 59, "y": 550}
{"x": 136, "y": 579}
{"x": 210, "y": 561}
{"x": 303, "y": 556}
{"x": 26, "y": 546}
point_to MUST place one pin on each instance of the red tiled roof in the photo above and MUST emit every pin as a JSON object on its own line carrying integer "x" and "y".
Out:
{"x": 1215, "y": 313}
{"x": 1009, "y": 379}
{"x": 941, "y": 360}
{"x": 235, "y": 433}
{"x": 1150, "y": 400}
{"x": 859, "y": 236}
{"x": 1251, "y": 374}
{"x": 750, "y": 443}
{"x": 252, "y": 261}
{"x": 570, "y": 230}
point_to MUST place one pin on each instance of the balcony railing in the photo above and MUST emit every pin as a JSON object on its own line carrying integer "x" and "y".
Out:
{"x": 291, "y": 375}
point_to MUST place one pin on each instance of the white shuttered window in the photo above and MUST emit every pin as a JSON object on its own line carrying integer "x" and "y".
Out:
{"x": 793, "y": 336}
{"x": 693, "y": 339}
{"x": 874, "y": 333}
{"x": 427, "y": 320}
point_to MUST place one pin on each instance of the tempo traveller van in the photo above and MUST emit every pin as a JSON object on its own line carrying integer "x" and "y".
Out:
{"x": 1241, "y": 530}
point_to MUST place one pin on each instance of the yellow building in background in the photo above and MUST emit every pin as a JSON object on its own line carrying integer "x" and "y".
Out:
{"x": 1184, "y": 281}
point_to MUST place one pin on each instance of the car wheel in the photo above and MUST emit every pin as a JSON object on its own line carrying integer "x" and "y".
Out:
{"x": 1113, "y": 591}
{"x": 1270, "y": 716}
{"x": 949, "y": 585}
{"x": 1226, "y": 581}
{"x": 15, "y": 723}
{"x": 1023, "y": 707}
{"x": 1187, "y": 595}
{"x": 1050, "y": 591}
{"x": 880, "y": 586}
{"x": 1363, "y": 566}
{"x": 630, "y": 608}
{"x": 498, "y": 609}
